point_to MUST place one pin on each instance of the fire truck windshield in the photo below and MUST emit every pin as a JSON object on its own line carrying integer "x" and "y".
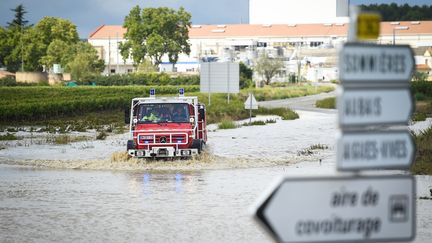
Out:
{"x": 156, "y": 113}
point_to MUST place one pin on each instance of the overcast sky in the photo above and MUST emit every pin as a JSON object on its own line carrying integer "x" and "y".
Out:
{"x": 89, "y": 14}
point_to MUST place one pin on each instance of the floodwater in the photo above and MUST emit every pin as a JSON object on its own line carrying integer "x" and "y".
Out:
{"x": 166, "y": 202}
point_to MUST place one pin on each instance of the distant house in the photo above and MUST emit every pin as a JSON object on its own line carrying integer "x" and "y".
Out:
{"x": 423, "y": 58}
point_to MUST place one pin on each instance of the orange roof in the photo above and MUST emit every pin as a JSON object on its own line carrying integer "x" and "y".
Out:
{"x": 108, "y": 31}
{"x": 423, "y": 67}
{"x": 277, "y": 30}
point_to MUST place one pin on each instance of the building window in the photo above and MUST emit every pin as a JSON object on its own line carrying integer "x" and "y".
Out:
{"x": 129, "y": 70}
{"x": 112, "y": 71}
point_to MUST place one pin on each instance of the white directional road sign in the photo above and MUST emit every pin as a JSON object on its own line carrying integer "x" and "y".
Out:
{"x": 375, "y": 150}
{"x": 371, "y": 63}
{"x": 341, "y": 209}
{"x": 375, "y": 106}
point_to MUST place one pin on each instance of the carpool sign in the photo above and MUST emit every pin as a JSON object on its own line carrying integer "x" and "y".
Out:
{"x": 341, "y": 209}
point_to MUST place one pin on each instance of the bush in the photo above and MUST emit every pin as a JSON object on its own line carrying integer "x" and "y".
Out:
{"x": 255, "y": 123}
{"x": 156, "y": 79}
{"x": 423, "y": 161}
{"x": 8, "y": 81}
{"x": 8, "y": 136}
{"x": 284, "y": 113}
{"x": 227, "y": 124}
{"x": 327, "y": 103}
{"x": 419, "y": 96}
{"x": 260, "y": 123}
{"x": 246, "y": 74}
{"x": 422, "y": 89}
{"x": 419, "y": 116}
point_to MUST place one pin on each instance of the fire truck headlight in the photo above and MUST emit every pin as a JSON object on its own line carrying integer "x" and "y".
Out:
{"x": 191, "y": 120}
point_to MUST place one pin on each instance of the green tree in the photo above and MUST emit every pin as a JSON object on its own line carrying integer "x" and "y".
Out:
{"x": 246, "y": 74}
{"x": 55, "y": 32}
{"x": 155, "y": 32}
{"x": 405, "y": 12}
{"x": 58, "y": 52}
{"x": 85, "y": 62}
{"x": 268, "y": 67}
{"x": 19, "y": 20}
{"x": 146, "y": 66}
{"x": 11, "y": 41}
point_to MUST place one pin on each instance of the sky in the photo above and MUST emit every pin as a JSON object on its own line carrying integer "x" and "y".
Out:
{"x": 89, "y": 14}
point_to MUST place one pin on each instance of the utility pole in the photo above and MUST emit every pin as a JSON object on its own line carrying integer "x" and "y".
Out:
{"x": 117, "y": 52}
{"x": 109, "y": 55}
{"x": 22, "y": 50}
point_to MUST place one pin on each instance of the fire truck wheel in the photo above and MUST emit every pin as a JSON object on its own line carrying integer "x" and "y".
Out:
{"x": 130, "y": 144}
{"x": 197, "y": 143}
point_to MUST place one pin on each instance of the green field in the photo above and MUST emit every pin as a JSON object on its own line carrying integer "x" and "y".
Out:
{"x": 27, "y": 105}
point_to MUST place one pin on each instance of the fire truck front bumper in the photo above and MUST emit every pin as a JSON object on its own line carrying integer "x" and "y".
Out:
{"x": 162, "y": 152}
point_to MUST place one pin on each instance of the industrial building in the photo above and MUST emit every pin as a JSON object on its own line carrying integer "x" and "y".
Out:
{"x": 309, "y": 41}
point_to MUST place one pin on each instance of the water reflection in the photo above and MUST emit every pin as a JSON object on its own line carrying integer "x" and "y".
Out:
{"x": 179, "y": 182}
{"x": 148, "y": 183}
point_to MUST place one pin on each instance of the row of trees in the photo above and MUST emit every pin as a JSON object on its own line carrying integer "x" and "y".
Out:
{"x": 51, "y": 41}
{"x": 394, "y": 12}
{"x": 151, "y": 34}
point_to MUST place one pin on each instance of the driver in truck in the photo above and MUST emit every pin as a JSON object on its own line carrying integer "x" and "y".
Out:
{"x": 149, "y": 116}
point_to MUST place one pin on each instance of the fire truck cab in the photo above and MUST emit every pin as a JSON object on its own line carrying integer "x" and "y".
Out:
{"x": 166, "y": 127}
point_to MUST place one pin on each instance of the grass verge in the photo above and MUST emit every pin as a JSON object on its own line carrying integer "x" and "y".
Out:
{"x": 423, "y": 161}
{"x": 327, "y": 103}
{"x": 227, "y": 124}
{"x": 8, "y": 136}
{"x": 284, "y": 113}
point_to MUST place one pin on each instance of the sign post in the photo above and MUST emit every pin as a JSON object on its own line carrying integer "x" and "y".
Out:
{"x": 251, "y": 104}
{"x": 375, "y": 95}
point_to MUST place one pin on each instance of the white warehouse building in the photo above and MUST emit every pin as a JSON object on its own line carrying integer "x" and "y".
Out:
{"x": 305, "y": 32}
{"x": 298, "y": 12}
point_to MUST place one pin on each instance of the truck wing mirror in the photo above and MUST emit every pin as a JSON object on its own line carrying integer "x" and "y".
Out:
{"x": 127, "y": 115}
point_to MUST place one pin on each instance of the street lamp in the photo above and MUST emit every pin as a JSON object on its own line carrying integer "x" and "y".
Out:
{"x": 394, "y": 32}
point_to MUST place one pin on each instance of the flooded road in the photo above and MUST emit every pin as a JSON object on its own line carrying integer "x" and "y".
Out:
{"x": 62, "y": 206}
{"x": 181, "y": 201}
{"x": 207, "y": 206}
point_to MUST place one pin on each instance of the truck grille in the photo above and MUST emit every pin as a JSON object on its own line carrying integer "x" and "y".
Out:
{"x": 162, "y": 139}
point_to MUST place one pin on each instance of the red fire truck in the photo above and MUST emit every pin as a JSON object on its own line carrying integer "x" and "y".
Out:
{"x": 166, "y": 127}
